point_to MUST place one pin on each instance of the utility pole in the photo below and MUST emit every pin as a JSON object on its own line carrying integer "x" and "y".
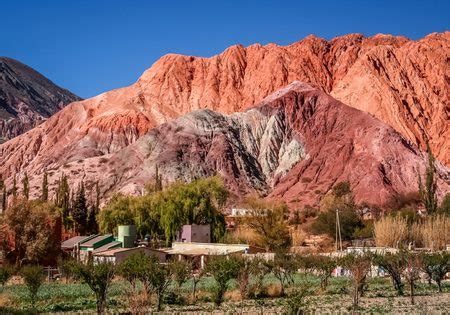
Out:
{"x": 338, "y": 232}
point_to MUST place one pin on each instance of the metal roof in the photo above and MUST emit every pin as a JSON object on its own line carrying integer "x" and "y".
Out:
{"x": 71, "y": 242}
{"x": 108, "y": 246}
{"x": 112, "y": 252}
{"x": 92, "y": 242}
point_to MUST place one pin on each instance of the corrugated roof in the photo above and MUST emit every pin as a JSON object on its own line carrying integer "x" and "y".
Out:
{"x": 113, "y": 251}
{"x": 95, "y": 240}
{"x": 71, "y": 242}
{"x": 211, "y": 249}
{"x": 108, "y": 246}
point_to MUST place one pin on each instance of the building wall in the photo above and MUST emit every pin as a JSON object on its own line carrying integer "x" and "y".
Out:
{"x": 195, "y": 233}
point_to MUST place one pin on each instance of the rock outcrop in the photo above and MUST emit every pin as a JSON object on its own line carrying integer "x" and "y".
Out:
{"x": 294, "y": 146}
{"x": 26, "y": 98}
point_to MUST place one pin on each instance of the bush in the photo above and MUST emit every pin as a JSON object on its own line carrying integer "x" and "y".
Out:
{"x": 433, "y": 233}
{"x": 98, "y": 277}
{"x": 348, "y": 218}
{"x": 5, "y": 273}
{"x": 222, "y": 269}
{"x": 33, "y": 278}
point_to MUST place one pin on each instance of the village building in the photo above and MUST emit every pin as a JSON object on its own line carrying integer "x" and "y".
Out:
{"x": 118, "y": 255}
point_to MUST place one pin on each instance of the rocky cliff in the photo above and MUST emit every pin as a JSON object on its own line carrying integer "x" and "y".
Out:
{"x": 293, "y": 146}
{"x": 26, "y": 98}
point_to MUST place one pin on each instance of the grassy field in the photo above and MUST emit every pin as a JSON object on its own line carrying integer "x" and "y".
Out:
{"x": 380, "y": 298}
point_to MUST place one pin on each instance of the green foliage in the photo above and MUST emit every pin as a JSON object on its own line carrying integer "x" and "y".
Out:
{"x": 63, "y": 200}
{"x": 296, "y": 303}
{"x": 33, "y": 278}
{"x": 366, "y": 231}
{"x": 164, "y": 212}
{"x": 181, "y": 271}
{"x": 348, "y": 219}
{"x": 341, "y": 189}
{"x": 444, "y": 208}
{"x": 98, "y": 277}
{"x": 427, "y": 190}
{"x": 283, "y": 268}
{"x": 4, "y": 196}
{"x": 44, "y": 196}
{"x": 80, "y": 210}
{"x": 323, "y": 265}
{"x": 393, "y": 264}
{"x": 223, "y": 270}
{"x": 436, "y": 266}
{"x": 269, "y": 221}
{"x": 26, "y": 186}
{"x": 6, "y": 272}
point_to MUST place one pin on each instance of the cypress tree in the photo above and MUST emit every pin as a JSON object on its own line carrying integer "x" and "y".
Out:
{"x": 26, "y": 186}
{"x": 63, "y": 200}
{"x": 14, "y": 188}
{"x": 45, "y": 187}
{"x": 80, "y": 210}
{"x": 4, "y": 198}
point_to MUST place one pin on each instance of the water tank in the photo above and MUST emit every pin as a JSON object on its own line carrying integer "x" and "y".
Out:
{"x": 127, "y": 235}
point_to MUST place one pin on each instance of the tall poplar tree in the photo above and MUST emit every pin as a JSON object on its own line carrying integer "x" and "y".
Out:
{"x": 80, "y": 210}
{"x": 427, "y": 190}
{"x": 26, "y": 186}
{"x": 44, "y": 196}
{"x": 63, "y": 200}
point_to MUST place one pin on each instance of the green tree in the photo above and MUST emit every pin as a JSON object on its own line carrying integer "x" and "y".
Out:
{"x": 436, "y": 266}
{"x": 393, "y": 264}
{"x": 283, "y": 267}
{"x": 4, "y": 197}
{"x": 98, "y": 277}
{"x": 14, "y": 188}
{"x": 427, "y": 190}
{"x": 26, "y": 186}
{"x": 80, "y": 210}
{"x": 44, "y": 195}
{"x": 269, "y": 221}
{"x": 63, "y": 200}
{"x": 412, "y": 271}
{"x": 324, "y": 266}
{"x": 6, "y": 273}
{"x": 223, "y": 270}
{"x": 33, "y": 278}
{"x": 181, "y": 271}
{"x": 118, "y": 211}
{"x": 444, "y": 208}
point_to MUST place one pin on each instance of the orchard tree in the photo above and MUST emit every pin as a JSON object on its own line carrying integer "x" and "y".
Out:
{"x": 393, "y": 264}
{"x": 223, "y": 269}
{"x": 98, "y": 277}
{"x": 359, "y": 267}
{"x": 33, "y": 278}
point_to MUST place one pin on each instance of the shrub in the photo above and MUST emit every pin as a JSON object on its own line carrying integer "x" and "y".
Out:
{"x": 436, "y": 266}
{"x": 222, "y": 269}
{"x": 33, "y": 278}
{"x": 283, "y": 268}
{"x": 359, "y": 267}
{"x": 348, "y": 218}
{"x": 324, "y": 265}
{"x": 98, "y": 277}
{"x": 5, "y": 273}
{"x": 393, "y": 264}
{"x": 296, "y": 303}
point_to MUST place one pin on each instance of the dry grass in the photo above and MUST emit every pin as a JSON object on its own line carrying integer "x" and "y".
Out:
{"x": 433, "y": 233}
{"x": 298, "y": 237}
{"x": 391, "y": 231}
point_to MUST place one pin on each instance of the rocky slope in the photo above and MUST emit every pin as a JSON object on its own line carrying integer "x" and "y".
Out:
{"x": 294, "y": 146}
{"x": 26, "y": 98}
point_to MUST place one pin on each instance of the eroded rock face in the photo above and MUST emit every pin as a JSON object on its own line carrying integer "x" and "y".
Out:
{"x": 294, "y": 146}
{"x": 403, "y": 83}
{"x": 26, "y": 98}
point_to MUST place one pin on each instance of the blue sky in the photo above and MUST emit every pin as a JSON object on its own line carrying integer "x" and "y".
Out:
{"x": 92, "y": 46}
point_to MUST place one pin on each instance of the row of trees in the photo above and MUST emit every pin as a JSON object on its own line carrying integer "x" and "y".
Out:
{"x": 147, "y": 277}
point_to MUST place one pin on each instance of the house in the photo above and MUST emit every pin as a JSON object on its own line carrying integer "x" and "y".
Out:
{"x": 195, "y": 233}
{"x": 117, "y": 255}
{"x": 86, "y": 248}
{"x": 198, "y": 252}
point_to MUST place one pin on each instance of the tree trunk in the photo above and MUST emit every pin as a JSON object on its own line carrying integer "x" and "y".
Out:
{"x": 159, "y": 297}
{"x": 439, "y": 285}
{"x": 411, "y": 291}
